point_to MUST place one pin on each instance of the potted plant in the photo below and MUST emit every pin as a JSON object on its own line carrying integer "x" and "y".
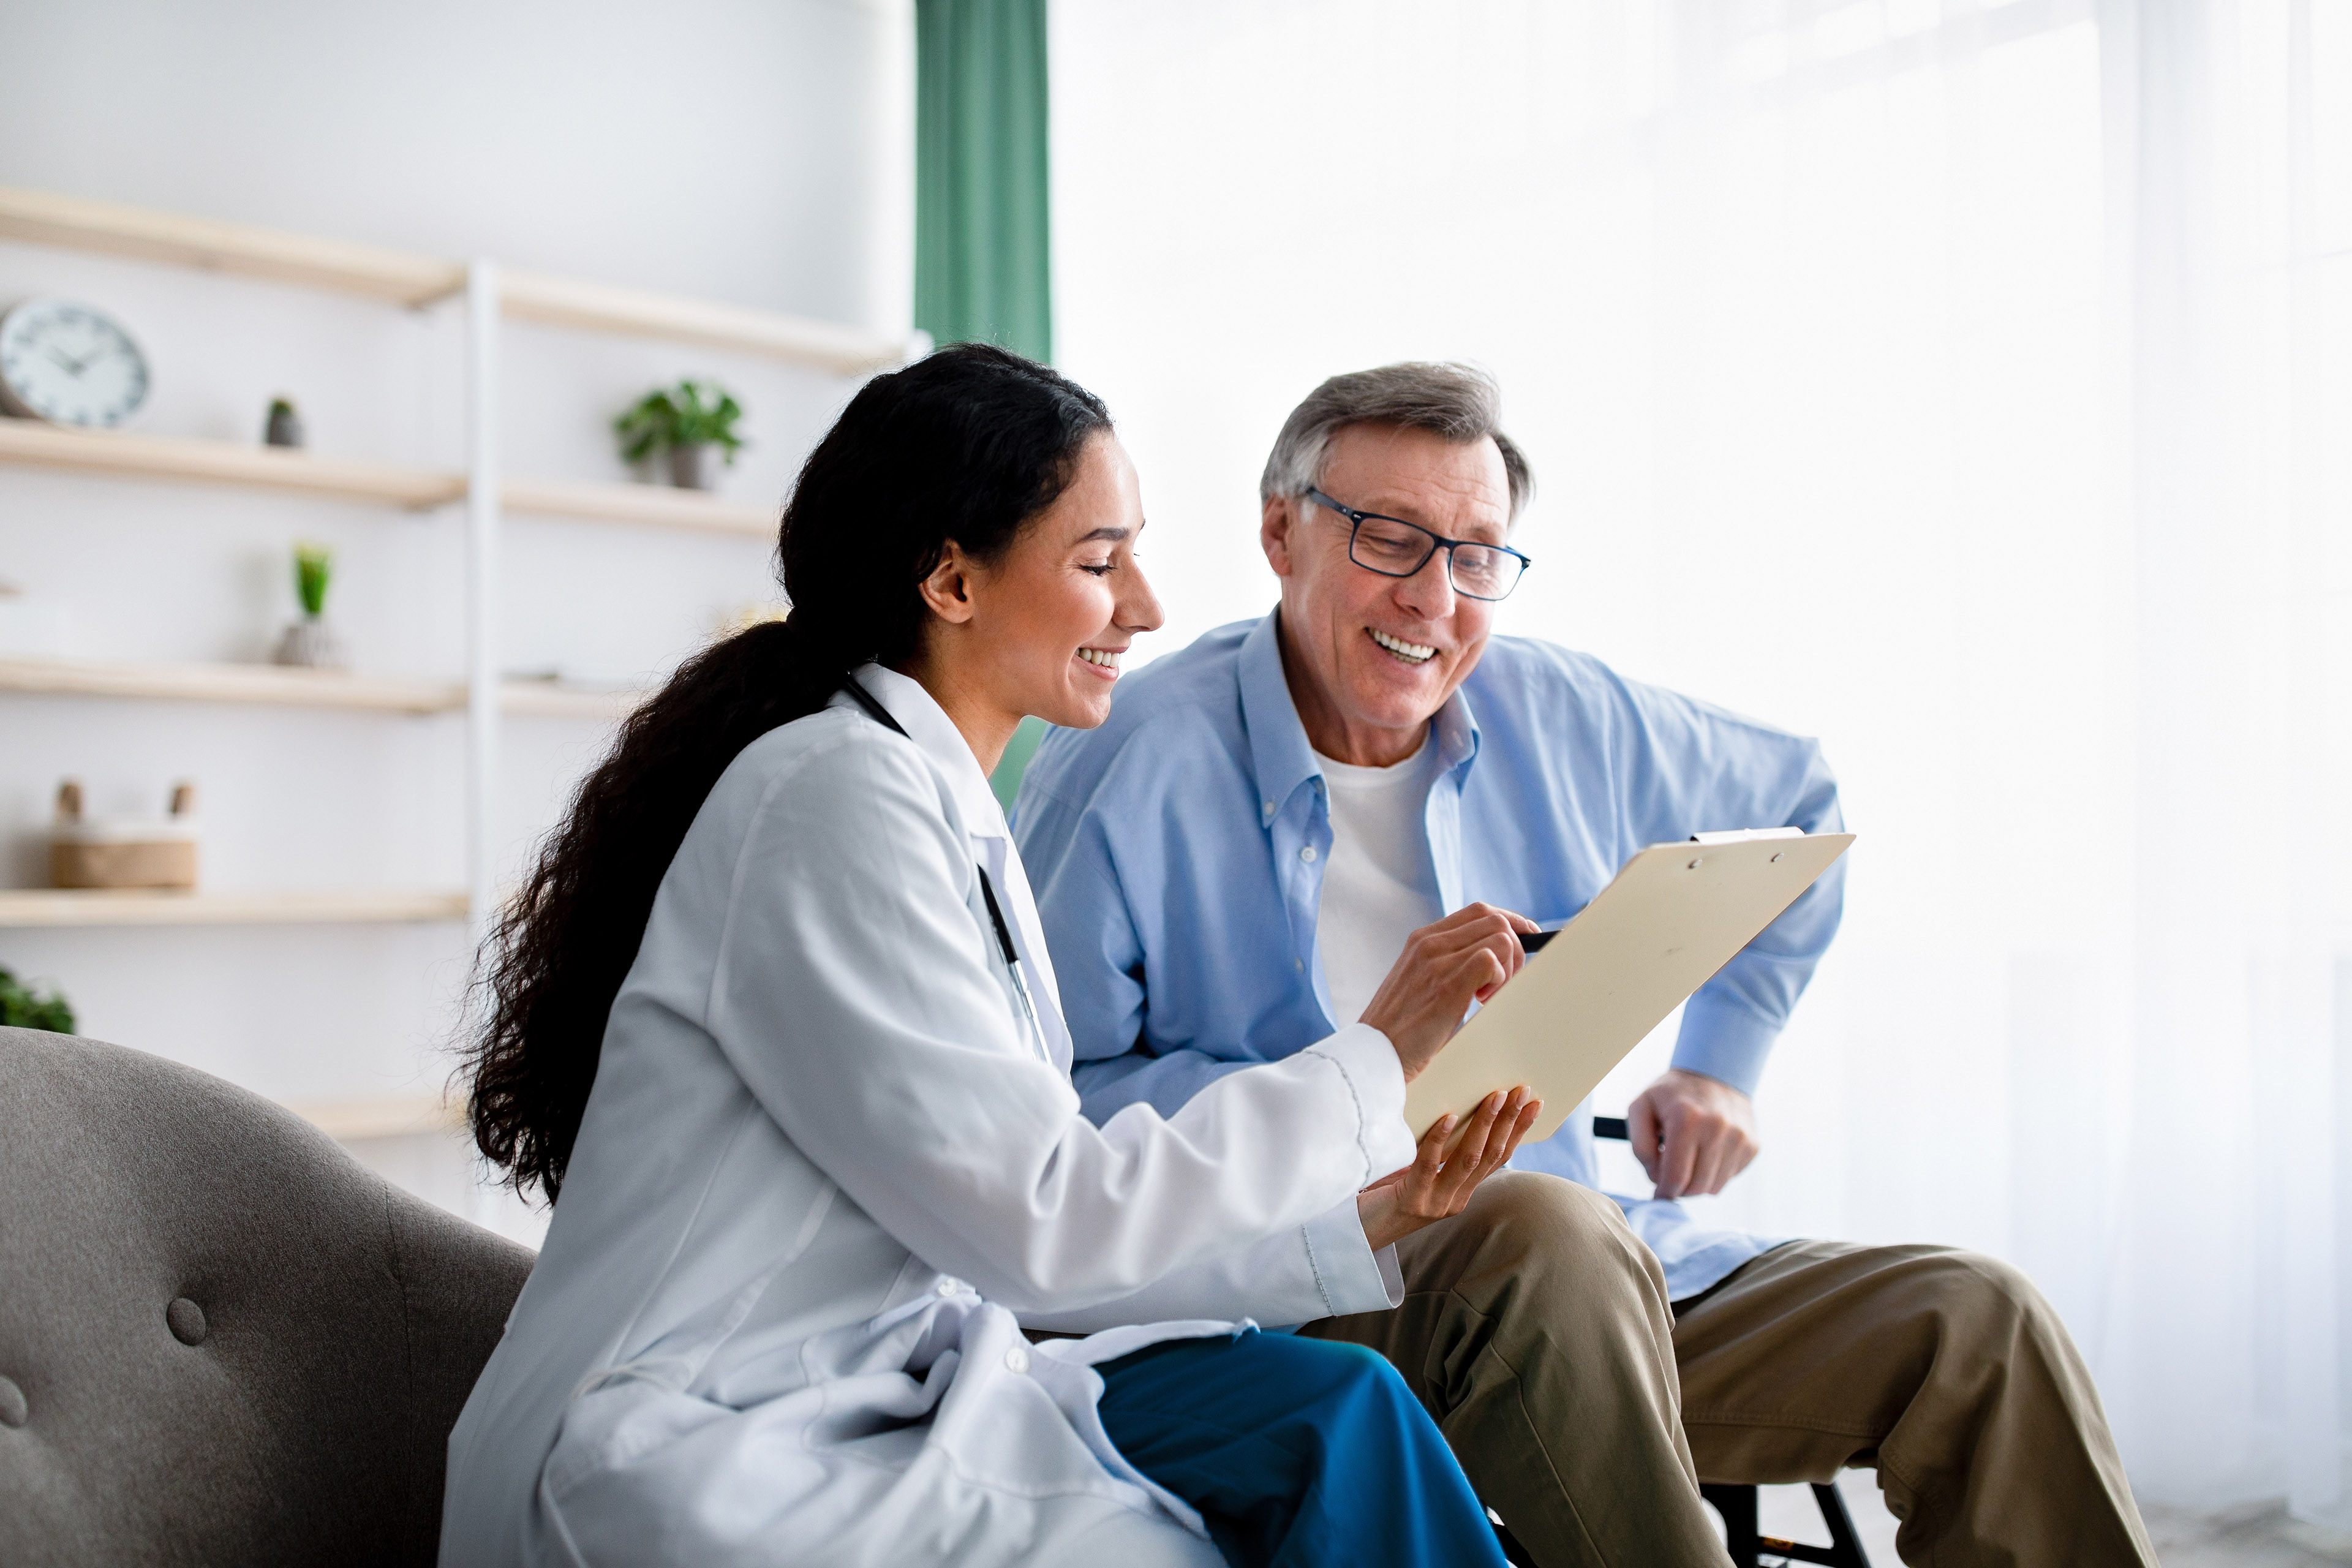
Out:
{"x": 693, "y": 422}
{"x": 21, "y": 1007}
{"x": 311, "y": 642}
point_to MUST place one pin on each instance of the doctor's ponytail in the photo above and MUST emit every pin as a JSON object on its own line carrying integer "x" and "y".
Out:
{"x": 967, "y": 445}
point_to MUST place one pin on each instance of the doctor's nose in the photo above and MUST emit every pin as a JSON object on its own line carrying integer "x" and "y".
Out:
{"x": 1138, "y": 609}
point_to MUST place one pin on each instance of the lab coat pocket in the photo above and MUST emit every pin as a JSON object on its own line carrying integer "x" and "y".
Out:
{"x": 961, "y": 1446}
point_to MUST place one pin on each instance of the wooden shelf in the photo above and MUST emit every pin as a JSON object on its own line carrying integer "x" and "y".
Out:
{"x": 396, "y": 1116}
{"x": 277, "y": 686}
{"x": 632, "y": 313}
{"x": 656, "y": 506}
{"x": 44, "y": 217}
{"x": 40, "y": 907}
{"x": 553, "y": 699}
{"x": 30, "y": 442}
{"x": 267, "y": 685}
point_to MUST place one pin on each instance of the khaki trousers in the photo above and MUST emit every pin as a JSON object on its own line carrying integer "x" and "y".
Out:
{"x": 1536, "y": 1329}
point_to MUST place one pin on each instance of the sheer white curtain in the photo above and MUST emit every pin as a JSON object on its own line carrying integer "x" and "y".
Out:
{"x": 1968, "y": 385}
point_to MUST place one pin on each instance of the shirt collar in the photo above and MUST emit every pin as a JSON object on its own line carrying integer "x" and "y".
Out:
{"x": 935, "y": 735}
{"x": 1280, "y": 757}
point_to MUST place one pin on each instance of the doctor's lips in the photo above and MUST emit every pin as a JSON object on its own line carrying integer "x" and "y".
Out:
{"x": 1106, "y": 658}
{"x": 1409, "y": 652}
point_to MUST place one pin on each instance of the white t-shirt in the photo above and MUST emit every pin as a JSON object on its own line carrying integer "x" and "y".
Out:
{"x": 1380, "y": 886}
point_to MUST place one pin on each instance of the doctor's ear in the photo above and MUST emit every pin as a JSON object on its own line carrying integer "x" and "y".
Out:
{"x": 1274, "y": 525}
{"x": 948, "y": 590}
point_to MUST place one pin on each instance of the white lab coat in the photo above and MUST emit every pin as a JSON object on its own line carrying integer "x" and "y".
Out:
{"x": 829, "y": 1157}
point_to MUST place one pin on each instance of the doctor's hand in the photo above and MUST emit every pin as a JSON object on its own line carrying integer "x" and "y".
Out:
{"x": 1444, "y": 967}
{"x": 1437, "y": 1185}
{"x": 1691, "y": 1134}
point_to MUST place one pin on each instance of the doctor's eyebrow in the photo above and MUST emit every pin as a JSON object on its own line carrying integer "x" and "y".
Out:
{"x": 1112, "y": 534}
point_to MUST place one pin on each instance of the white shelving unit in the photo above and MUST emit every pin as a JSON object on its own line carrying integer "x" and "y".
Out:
{"x": 489, "y": 296}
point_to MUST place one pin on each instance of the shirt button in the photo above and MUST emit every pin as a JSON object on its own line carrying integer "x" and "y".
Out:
{"x": 1307, "y": 853}
{"x": 1016, "y": 1359}
{"x": 1299, "y": 965}
{"x": 948, "y": 1287}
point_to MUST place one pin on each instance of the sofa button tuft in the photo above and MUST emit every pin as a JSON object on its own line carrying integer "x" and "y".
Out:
{"x": 12, "y": 1409}
{"x": 187, "y": 1320}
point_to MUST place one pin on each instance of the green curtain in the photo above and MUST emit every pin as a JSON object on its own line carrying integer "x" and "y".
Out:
{"x": 983, "y": 267}
{"x": 983, "y": 263}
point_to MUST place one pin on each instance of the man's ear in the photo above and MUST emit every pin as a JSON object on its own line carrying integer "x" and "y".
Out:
{"x": 1281, "y": 514}
{"x": 948, "y": 590}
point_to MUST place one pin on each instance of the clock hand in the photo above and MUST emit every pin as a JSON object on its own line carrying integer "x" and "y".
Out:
{"x": 74, "y": 365}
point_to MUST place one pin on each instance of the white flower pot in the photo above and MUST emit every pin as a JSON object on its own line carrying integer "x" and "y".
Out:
{"x": 695, "y": 466}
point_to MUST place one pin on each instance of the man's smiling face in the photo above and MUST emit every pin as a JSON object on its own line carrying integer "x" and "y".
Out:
{"x": 1370, "y": 659}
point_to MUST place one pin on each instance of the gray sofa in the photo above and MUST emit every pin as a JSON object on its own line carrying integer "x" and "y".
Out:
{"x": 221, "y": 1340}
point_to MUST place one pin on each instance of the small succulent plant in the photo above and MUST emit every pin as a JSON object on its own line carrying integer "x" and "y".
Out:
{"x": 313, "y": 565}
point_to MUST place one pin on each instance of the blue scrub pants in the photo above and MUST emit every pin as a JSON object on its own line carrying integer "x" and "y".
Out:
{"x": 1296, "y": 1452}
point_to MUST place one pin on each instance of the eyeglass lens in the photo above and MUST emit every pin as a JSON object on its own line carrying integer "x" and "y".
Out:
{"x": 1400, "y": 550}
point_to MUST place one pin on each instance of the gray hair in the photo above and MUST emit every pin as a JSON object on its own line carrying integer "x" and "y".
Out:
{"x": 1459, "y": 402}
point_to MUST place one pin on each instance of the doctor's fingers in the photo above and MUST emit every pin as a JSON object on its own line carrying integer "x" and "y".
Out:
{"x": 1512, "y": 1119}
{"x": 1478, "y": 926}
{"x": 1473, "y": 927}
{"x": 1519, "y": 1129}
{"x": 1485, "y": 1144}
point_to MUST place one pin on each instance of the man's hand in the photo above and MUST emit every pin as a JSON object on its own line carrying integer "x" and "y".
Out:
{"x": 1438, "y": 1184}
{"x": 1691, "y": 1134}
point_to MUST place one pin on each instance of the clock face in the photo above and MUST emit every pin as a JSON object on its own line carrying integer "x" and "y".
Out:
{"x": 66, "y": 362}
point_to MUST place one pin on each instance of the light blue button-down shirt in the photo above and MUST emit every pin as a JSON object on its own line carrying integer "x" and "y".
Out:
{"x": 1169, "y": 848}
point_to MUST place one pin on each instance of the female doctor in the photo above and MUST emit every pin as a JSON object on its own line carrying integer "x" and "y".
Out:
{"x": 773, "y": 1015}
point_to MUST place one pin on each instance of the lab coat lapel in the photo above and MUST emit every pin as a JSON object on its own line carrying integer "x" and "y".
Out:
{"x": 936, "y": 736}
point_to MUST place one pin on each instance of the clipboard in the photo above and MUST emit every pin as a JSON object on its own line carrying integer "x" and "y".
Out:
{"x": 1672, "y": 915}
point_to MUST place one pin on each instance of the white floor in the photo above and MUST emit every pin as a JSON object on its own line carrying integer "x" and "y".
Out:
{"x": 2259, "y": 1535}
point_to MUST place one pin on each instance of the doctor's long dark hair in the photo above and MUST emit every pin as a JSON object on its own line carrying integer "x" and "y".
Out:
{"x": 967, "y": 445}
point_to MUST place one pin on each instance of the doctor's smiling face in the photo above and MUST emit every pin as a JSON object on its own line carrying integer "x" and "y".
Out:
{"x": 1370, "y": 659}
{"x": 1042, "y": 629}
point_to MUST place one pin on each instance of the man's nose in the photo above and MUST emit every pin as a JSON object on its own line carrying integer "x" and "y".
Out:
{"x": 1429, "y": 593}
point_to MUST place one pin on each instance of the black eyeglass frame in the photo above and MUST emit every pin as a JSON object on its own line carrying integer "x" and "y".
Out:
{"x": 1356, "y": 520}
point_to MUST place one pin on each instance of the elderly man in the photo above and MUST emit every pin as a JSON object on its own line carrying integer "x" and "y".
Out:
{"x": 1229, "y": 865}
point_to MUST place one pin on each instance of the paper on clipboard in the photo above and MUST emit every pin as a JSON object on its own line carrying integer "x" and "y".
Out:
{"x": 1674, "y": 914}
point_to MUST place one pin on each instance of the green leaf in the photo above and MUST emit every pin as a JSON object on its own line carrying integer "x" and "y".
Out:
{"x": 24, "y": 1008}
{"x": 313, "y": 565}
{"x": 693, "y": 413}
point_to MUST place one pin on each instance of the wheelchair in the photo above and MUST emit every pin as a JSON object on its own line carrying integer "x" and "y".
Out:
{"x": 1748, "y": 1547}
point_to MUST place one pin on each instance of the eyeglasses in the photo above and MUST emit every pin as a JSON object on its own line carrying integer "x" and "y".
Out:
{"x": 1395, "y": 548}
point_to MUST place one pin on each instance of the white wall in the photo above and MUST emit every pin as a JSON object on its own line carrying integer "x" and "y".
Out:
{"x": 759, "y": 153}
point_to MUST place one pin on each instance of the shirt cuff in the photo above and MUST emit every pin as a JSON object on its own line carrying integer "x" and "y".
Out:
{"x": 1368, "y": 1063}
{"x": 1724, "y": 1040}
{"x": 1352, "y": 1276}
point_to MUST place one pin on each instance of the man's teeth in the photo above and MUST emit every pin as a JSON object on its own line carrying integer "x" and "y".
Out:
{"x": 1410, "y": 652}
{"x": 1097, "y": 656}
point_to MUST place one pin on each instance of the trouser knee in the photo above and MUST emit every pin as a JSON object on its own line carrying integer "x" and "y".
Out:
{"x": 1553, "y": 1234}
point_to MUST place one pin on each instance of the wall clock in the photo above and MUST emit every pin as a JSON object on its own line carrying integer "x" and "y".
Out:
{"x": 68, "y": 363}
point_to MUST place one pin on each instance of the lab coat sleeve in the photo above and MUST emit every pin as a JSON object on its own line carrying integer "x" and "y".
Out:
{"x": 854, "y": 993}
{"x": 1324, "y": 1268}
